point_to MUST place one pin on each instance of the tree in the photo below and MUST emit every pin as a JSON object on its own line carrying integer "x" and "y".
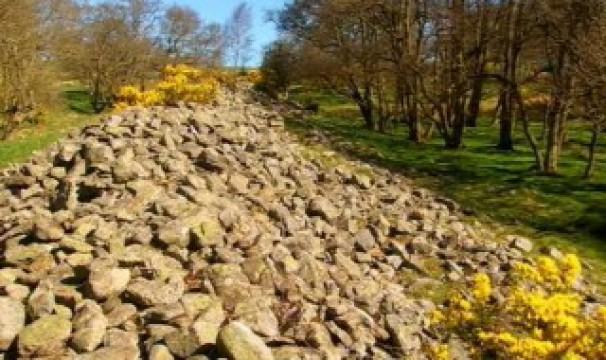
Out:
{"x": 238, "y": 37}
{"x": 590, "y": 80}
{"x": 25, "y": 71}
{"x": 180, "y": 27}
{"x": 110, "y": 47}
{"x": 279, "y": 67}
{"x": 341, "y": 47}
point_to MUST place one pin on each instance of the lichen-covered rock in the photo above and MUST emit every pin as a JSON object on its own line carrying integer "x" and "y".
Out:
{"x": 208, "y": 322}
{"x": 155, "y": 292}
{"x": 105, "y": 282}
{"x": 89, "y": 324}
{"x": 45, "y": 336}
{"x": 238, "y": 342}
{"x": 12, "y": 320}
{"x": 160, "y": 352}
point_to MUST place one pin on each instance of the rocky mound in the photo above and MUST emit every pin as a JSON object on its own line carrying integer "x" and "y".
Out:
{"x": 204, "y": 232}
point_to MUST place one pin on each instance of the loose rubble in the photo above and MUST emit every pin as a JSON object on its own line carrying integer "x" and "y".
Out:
{"x": 203, "y": 232}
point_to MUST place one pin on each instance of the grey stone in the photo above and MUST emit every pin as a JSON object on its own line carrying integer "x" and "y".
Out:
{"x": 364, "y": 240}
{"x": 12, "y": 320}
{"x": 160, "y": 352}
{"x": 238, "y": 342}
{"x": 154, "y": 292}
{"x": 320, "y": 206}
{"x": 47, "y": 230}
{"x": 106, "y": 282}
{"x": 521, "y": 243}
{"x": 45, "y": 336}
{"x": 89, "y": 326}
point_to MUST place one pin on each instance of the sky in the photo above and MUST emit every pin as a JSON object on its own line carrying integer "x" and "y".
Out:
{"x": 220, "y": 10}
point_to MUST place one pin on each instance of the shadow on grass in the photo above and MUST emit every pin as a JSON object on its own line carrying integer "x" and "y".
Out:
{"x": 78, "y": 100}
{"x": 503, "y": 186}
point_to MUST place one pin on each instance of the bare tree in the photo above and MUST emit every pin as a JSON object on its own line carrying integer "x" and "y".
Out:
{"x": 590, "y": 80}
{"x": 238, "y": 37}
{"x": 180, "y": 27}
{"x": 25, "y": 71}
{"x": 111, "y": 47}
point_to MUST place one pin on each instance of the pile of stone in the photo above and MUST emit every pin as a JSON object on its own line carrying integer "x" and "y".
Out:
{"x": 204, "y": 232}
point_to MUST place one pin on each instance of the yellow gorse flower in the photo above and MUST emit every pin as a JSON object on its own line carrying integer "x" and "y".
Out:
{"x": 541, "y": 318}
{"x": 549, "y": 273}
{"x": 482, "y": 288}
{"x": 178, "y": 83}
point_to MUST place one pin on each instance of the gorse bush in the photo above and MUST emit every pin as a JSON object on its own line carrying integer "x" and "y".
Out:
{"x": 184, "y": 83}
{"x": 178, "y": 83}
{"x": 541, "y": 317}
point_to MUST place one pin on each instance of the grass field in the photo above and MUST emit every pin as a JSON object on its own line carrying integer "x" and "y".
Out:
{"x": 73, "y": 112}
{"x": 565, "y": 211}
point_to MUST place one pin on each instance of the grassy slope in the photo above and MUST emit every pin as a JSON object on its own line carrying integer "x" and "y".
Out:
{"x": 75, "y": 111}
{"x": 564, "y": 211}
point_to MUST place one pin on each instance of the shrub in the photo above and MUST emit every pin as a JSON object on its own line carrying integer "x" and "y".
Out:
{"x": 255, "y": 77}
{"x": 178, "y": 83}
{"x": 541, "y": 317}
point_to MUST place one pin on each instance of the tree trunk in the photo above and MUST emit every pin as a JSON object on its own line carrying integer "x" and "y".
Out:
{"x": 532, "y": 142}
{"x": 96, "y": 98}
{"x": 366, "y": 112}
{"x": 553, "y": 144}
{"x": 414, "y": 123}
{"x": 474, "y": 103}
{"x": 509, "y": 72}
{"x": 365, "y": 105}
{"x": 595, "y": 133}
{"x": 473, "y": 109}
{"x": 506, "y": 124}
{"x": 455, "y": 139}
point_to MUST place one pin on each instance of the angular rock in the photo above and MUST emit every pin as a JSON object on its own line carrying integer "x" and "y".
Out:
{"x": 207, "y": 324}
{"x": 154, "y": 292}
{"x": 111, "y": 352}
{"x": 182, "y": 343}
{"x": 160, "y": 352}
{"x": 320, "y": 206}
{"x": 364, "y": 240}
{"x": 47, "y": 230}
{"x": 12, "y": 320}
{"x": 106, "y": 282}
{"x": 238, "y": 183}
{"x": 521, "y": 243}
{"x": 238, "y": 342}
{"x": 89, "y": 326}
{"x": 45, "y": 336}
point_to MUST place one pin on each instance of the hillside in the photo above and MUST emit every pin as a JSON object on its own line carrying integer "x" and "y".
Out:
{"x": 173, "y": 232}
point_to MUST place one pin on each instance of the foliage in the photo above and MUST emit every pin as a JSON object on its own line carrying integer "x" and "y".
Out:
{"x": 540, "y": 318}
{"x": 73, "y": 112}
{"x": 186, "y": 37}
{"x": 564, "y": 211}
{"x": 427, "y": 64}
{"x": 179, "y": 83}
{"x": 254, "y": 77}
{"x": 26, "y": 77}
{"x": 278, "y": 69}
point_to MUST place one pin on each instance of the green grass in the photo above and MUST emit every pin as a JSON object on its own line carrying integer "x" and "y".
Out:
{"x": 73, "y": 111}
{"x": 564, "y": 211}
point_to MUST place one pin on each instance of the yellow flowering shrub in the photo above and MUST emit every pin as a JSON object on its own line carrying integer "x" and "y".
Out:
{"x": 440, "y": 352}
{"x": 541, "y": 317}
{"x": 254, "y": 77}
{"x": 178, "y": 83}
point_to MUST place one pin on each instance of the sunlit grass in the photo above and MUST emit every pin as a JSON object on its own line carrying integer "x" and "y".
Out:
{"x": 564, "y": 211}
{"x": 73, "y": 112}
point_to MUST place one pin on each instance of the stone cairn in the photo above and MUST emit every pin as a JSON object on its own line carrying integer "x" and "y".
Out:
{"x": 201, "y": 232}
